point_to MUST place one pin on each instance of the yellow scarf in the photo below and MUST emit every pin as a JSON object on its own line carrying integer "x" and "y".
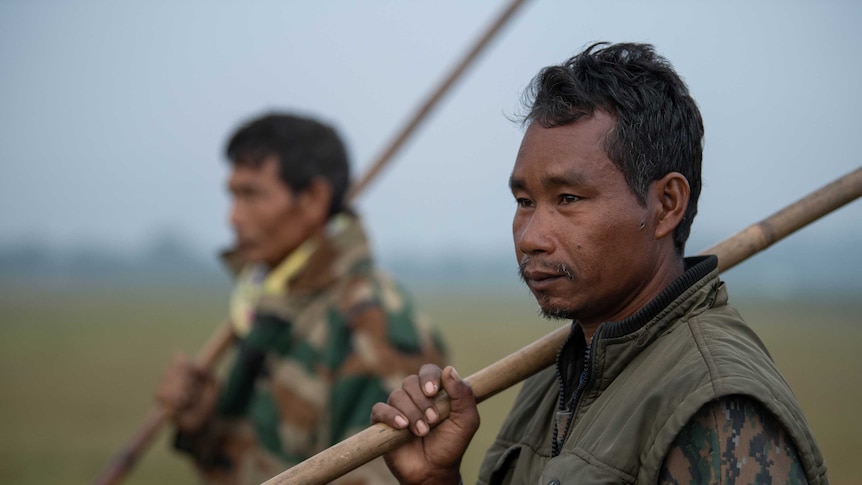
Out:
{"x": 254, "y": 281}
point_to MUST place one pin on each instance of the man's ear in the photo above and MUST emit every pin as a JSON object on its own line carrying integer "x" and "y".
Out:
{"x": 672, "y": 192}
{"x": 315, "y": 200}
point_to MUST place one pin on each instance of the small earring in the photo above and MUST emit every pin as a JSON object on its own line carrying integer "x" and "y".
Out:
{"x": 643, "y": 224}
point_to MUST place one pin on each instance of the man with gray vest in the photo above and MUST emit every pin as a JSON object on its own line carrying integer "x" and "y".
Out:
{"x": 660, "y": 380}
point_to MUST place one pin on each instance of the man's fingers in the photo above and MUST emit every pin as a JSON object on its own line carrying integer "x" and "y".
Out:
{"x": 415, "y": 405}
{"x": 169, "y": 390}
{"x": 384, "y": 413}
{"x": 429, "y": 378}
{"x": 408, "y": 406}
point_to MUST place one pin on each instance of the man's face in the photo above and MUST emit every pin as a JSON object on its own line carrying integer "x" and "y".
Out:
{"x": 577, "y": 228}
{"x": 268, "y": 218}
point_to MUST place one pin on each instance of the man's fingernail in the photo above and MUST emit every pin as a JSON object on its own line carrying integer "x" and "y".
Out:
{"x": 431, "y": 415}
{"x": 422, "y": 427}
{"x": 455, "y": 374}
{"x": 430, "y": 388}
{"x": 401, "y": 422}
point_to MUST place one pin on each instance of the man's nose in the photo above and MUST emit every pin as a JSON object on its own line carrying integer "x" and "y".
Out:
{"x": 535, "y": 234}
{"x": 235, "y": 215}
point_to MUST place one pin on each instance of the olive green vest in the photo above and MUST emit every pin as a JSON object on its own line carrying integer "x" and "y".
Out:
{"x": 649, "y": 374}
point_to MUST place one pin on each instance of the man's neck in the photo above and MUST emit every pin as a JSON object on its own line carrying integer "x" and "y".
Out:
{"x": 671, "y": 270}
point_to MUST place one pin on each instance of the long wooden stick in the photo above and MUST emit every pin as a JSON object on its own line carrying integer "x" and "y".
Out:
{"x": 378, "y": 439}
{"x": 435, "y": 97}
{"x": 221, "y": 340}
{"x": 759, "y": 236}
{"x": 123, "y": 461}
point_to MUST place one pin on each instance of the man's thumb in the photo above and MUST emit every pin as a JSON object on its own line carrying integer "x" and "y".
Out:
{"x": 459, "y": 391}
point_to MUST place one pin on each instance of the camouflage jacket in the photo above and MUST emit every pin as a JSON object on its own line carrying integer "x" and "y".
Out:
{"x": 333, "y": 338}
{"x": 680, "y": 392}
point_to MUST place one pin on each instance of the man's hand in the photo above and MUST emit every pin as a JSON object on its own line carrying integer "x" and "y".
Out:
{"x": 436, "y": 456}
{"x": 188, "y": 393}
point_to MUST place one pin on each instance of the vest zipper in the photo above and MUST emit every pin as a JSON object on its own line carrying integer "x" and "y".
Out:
{"x": 565, "y": 414}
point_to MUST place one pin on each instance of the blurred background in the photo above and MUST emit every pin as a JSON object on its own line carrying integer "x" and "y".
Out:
{"x": 113, "y": 120}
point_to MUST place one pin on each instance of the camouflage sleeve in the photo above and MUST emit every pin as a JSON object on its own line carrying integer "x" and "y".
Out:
{"x": 390, "y": 337}
{"x": 732, "y": 440}
{"x": 389, "y": 341}
{"x": 229, "y": 439}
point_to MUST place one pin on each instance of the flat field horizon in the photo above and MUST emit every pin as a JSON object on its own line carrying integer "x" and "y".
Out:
{"x": 79, "y": 365}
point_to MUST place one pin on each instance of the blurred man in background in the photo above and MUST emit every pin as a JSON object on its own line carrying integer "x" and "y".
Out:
{"x": 323, "y": 333}
{"x": 660, "y": 380}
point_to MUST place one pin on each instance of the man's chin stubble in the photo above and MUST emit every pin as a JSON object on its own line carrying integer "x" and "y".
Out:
{"x": 556, "y": 313}
{"x": 549, "y": 312}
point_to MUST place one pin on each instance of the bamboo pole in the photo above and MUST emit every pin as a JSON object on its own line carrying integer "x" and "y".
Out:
{"x": 761, "y": 235}
{"x": 122, "y": 463}
{"x": 124, "y": 460}
{"x": 435, "y": 97}
{"x": 380, "y": 438}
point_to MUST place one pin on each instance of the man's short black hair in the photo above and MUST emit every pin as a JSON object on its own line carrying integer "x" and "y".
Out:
{"x": 306, "y": 149}
{"x": 658, "y": 129}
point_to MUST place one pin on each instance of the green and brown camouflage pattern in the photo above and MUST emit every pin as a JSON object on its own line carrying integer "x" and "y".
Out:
{"x": 340, "y": 338}
{"x": 733, "y": 441}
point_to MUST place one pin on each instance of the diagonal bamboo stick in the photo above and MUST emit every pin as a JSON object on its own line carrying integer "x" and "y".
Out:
{"x": 379, "y": 438}
{"x": 121, "y": 464}
{"x": 432, "y": 100}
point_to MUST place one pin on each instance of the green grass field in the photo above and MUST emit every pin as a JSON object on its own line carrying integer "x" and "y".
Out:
{"x": 78, "y": 369}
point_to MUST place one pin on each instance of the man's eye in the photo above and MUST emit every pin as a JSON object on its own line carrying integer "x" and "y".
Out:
{"x": 568, "y": 199}
{"x": 524, "y": 202}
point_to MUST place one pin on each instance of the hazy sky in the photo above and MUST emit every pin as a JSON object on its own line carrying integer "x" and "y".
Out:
{"x": 113, "y": 115}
